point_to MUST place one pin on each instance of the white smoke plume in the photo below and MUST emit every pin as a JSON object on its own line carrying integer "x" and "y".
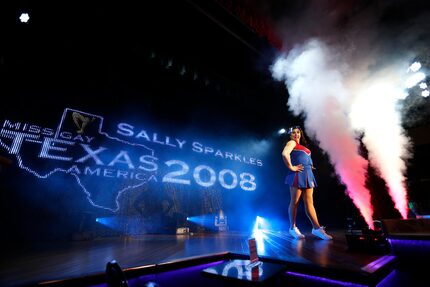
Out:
{"x": 317, "y": 91}
{"x": 347, "y": 78}
{"x": 376, "y": 112}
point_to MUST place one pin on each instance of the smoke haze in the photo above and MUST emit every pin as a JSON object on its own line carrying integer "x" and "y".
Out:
{"x": 345, "y": 67}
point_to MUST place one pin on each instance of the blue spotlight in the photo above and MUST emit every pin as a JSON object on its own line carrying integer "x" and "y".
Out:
{"x": 113, "y": 222}
{"x": 125, "y": 224}
{"x": 205, "y": 220}
{"x": 282, "y": 131}
{"x": 261, "y": 223}
{"x": 257, "y": 224}
{"x": 258, "y": 234}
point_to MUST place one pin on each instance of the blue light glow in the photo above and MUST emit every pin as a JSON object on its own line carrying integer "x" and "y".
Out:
{"x": 261, "y": 223}
{"x": 51, "y": 145}
{"x": 206, "y": 220}
{"x": 324, "y": 280}
{"x": 124, "y": 224}
{"x": 389, "y": 280}
{"x": 257, "y": 224}
{"x": 88, "y": 194}
{"x": 105, "y": 169}
{"x": 410, "y": 243}
{"x": 378, "y": 263}
{"x": 259, "y": 235}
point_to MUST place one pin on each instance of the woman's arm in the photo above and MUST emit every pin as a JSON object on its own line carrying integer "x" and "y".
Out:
{"x": 287, "y": 159}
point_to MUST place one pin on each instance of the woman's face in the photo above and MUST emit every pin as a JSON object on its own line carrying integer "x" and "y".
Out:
{"x": 295, "y": 135}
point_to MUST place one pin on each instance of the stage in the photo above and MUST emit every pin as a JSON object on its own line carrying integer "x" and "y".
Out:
{"x": 31, "y": 263}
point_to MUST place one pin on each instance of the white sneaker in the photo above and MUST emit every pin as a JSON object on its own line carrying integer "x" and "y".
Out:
{"x": 295, "y": 232}
{"x": 320, "y": 232}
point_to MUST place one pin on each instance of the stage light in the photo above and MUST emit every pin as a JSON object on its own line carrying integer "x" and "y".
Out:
{"x": 423, "y": 85}
{"x": 415, "y": 79}
{"x": 182, "y": 71}
{"x": 169, "y": 64}
{"x": 261, "y": 224}
{"x": 115, "y": 276}
{"x": 257, "y": 224}
{"x": 126, "y": 224}
{"x": 204, "y": 220}
{"x": 282, "y": 131}
{"x": 24, "y": 17}
{"x": 414, "y": 67}
{"x": 259, "y": 235}
{"x": 425, "y": 93}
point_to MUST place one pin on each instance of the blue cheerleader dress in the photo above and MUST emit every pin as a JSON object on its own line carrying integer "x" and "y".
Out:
{"x": 304, "y": 179}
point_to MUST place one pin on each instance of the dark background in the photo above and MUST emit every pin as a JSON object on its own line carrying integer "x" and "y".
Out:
{"x": 180, "y": 64}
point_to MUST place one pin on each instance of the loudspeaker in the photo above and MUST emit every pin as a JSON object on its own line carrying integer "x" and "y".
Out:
{"x": 115, "y": 277}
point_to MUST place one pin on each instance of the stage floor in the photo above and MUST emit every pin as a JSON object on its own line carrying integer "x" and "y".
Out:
{"x": 35, "y": 262}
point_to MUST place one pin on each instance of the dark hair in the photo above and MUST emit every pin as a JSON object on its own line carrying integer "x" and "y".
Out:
{"x": 303, "y": 141}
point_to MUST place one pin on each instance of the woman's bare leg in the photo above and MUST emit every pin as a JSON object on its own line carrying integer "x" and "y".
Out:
{"x": 309, "y": 207}
{"x": 295, "y": 194}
